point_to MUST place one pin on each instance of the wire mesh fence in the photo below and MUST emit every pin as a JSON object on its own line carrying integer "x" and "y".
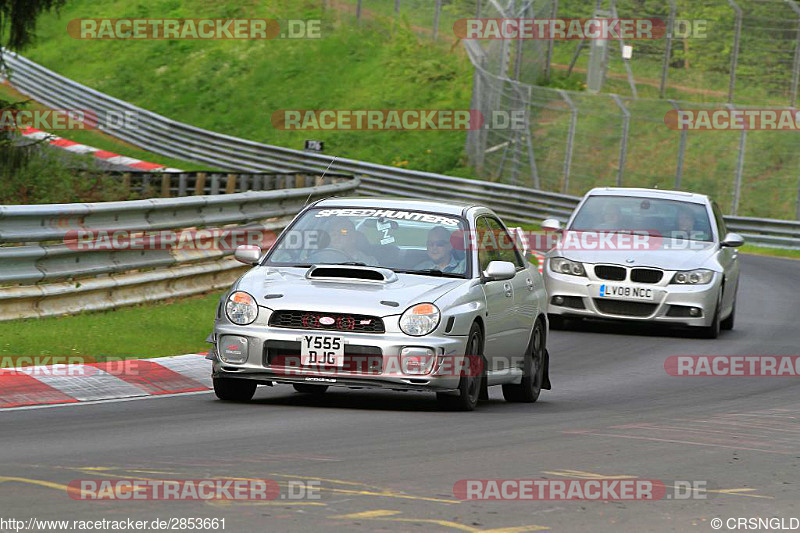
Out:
{"x": 713, "y": 54}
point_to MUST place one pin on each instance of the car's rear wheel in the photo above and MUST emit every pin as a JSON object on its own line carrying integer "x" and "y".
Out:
{"x": 533, "y": 370}
{"x": 309, "y": 389}
{"x": 469, "y": 386}
{"x": 234, "y": 390}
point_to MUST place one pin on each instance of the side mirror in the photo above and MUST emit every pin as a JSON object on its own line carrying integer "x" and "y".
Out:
{"x": 551, "y": 224}
{"x": 732, "y": 240}
{"x": 249, "y": 255}
{"x": 499, "y": 271}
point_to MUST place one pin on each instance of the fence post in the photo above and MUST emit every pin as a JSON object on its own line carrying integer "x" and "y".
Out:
{"x": 570, "y": 138}
{"x": 200, "y": 184}
{"x": 623, "y": 145}
{"x": 796, "y": 63}
{"x": 737, "y": 184}
{"x": 550, "y": 42}
{"x": 478, "y": 10}
{"x": 681, "y": 151}
{"x": 126, "y": 182}
{"x": 436, "y": 15}
{"x": 797, "y": 214}
{"x": 230, "y": 184}
{"x": 735, "y": 51}
{"x": 668, "y": 49}
{"x": 358, "y": 10}
{"x": 396, "y": 6}
{"x": 165, "y": 185}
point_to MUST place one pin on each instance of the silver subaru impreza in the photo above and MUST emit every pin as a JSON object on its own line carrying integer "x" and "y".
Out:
{"x": 398, "y": 294}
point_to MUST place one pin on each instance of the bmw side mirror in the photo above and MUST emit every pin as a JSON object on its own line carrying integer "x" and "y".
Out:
{"x": 249, "y": 255}
{"x": 551, "y": 224}
{"x": 499, "y": 271}
{"x": 732, "y": 240}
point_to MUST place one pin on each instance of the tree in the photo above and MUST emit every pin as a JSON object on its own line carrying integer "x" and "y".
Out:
{"x": 17, "y": 30}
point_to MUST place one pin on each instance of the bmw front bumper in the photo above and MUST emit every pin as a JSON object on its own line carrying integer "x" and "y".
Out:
{"x": 584, "y": 297}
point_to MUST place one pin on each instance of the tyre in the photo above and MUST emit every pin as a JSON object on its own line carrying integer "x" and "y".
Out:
{"x": 234, "y": 390}
{"x": 556, "y": 322}
{"x": 727, "y": 324}
{"x": 469, "y": 386}
{"x": 712, "y": 331}
{"x": 309, "y": 389}
{"x": 533, "y": 370}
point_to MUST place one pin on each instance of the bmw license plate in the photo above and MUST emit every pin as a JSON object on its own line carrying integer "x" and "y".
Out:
{"x": 626, "y": 292}
{"x": 322, "y": 350}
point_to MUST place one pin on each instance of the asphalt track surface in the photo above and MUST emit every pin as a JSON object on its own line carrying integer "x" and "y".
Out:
{"x": 389, "y": 460}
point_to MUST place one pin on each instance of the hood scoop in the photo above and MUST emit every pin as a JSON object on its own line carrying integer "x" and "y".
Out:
{"x": 350, "y": 273}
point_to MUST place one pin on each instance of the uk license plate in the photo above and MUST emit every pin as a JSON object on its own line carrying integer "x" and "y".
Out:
{"x": 321, "y": 350}
{"x": 626, "y": 292}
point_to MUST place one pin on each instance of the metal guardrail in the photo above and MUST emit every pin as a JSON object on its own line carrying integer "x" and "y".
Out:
{"x": 174, "y": 139}
{"x": 47, "y": 273}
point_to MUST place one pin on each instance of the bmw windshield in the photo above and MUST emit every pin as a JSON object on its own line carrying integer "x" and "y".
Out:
{"x": 415, "y": 242}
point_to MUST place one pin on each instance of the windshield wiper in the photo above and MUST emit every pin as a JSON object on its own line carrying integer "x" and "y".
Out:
{"x": 430, "y": 272}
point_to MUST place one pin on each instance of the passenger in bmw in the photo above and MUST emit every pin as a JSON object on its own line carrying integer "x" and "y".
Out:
{"x": 441, "y": 255}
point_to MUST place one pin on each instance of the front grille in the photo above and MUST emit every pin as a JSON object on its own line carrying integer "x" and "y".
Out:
{"x": 646, "y": 275}
{"x": 285, "y": 355}
{"x": 623, "y": 308}
{"x": 314, "y": 320}
{"x": 611, "y": 273}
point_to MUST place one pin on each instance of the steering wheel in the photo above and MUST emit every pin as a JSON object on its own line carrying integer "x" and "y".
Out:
{"x": 319, "y": 256}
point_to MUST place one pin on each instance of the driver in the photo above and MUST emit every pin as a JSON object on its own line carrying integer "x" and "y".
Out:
{"x": 440, "y": 253}
{"x": 344, "y": 238}
{"x": 612, "y": 217}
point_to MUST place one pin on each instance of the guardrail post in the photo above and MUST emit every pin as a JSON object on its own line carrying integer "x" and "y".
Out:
{"x": 681, "y": 151}
{"x": 737, "y": 185}
{"x": 735, "y": 52}
{"x": 623, "y": 145}
{"x": 436, "y": 16}
{"x": 230, "y": 184}
{"x": 214, "y": 183}
{"x": 257, "y": 182}
{"x": 243, "y": 182}
{"x": 668, "y": 50}
{"x": 200, "y": 183}
{"x": 570, "y": 138}
{"x": 166, "y": 182}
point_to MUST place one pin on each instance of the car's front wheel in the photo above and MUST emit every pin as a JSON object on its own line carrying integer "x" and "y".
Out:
{"x": 234, "y": 390}
{"x": 469, "y": 386}
{"x": 533, "y": 370}
{"x": 727, "y": 324}
{"x": 712, "y": 331}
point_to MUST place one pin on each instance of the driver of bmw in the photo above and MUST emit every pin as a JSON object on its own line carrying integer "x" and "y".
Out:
{"x": 440, "y": 253}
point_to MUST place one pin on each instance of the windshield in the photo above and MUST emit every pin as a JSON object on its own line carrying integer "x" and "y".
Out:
{"x": 405, "y": 241}
{"x": 666, "y": 218}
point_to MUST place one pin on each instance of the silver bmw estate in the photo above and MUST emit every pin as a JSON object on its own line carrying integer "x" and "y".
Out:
{"x": 644, "y": 255}
{"x": 398, "y": 294}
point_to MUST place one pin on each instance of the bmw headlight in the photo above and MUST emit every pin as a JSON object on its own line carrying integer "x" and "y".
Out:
{"x": 565, "y": 266}
{"x": 241, "y": 308}
{"x": 700, "y": 276}
{"x": 420, "y": 319}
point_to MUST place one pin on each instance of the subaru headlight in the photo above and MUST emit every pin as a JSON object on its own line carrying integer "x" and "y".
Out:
{"x": 693, "y": 277}
{"x": 420, "y": 319}
{"x": 565, "y": 266}
{"x": 241, "y": 308}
